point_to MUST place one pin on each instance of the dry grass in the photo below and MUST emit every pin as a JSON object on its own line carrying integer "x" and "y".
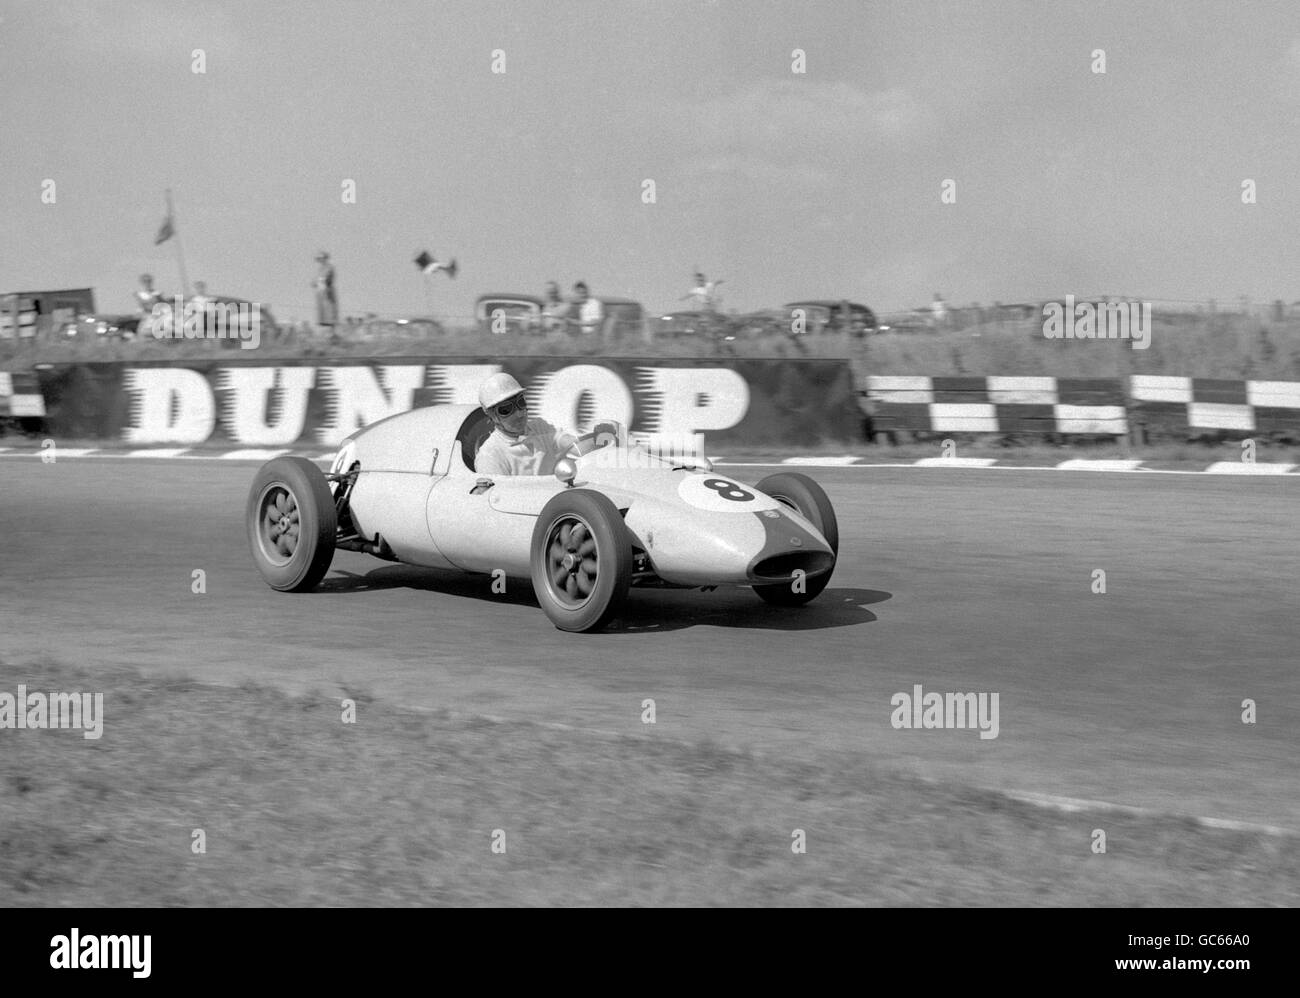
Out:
{"x": 1210, "y": 346}
{"x": 399, "y": 809}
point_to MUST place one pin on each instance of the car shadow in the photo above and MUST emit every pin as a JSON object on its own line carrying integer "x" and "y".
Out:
{"x": 431, "y": 580}
{"x": 648, "y": 610}
{"x": 662, "y": 610}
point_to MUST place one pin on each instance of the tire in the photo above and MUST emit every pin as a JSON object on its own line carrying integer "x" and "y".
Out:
{"x": 806, "y": 498}
{"x": 291, "y": 524}
{"x": 564, "y": 562}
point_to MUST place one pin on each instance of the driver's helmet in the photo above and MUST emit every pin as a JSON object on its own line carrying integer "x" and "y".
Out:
{"x": 497, "y": 389}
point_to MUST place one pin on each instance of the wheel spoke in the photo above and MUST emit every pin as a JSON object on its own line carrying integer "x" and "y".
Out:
{"x": 558, "y": 575}
{"x": 585, "y": 583}
{"x": 577, "y": 536}
{"x": 571, "y": 587}
{"x": 588, "y": 547}
{"x": 589, "y": 567}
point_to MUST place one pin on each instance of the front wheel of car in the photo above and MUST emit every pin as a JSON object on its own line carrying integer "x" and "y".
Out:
{"x": 581, "y": 560}
{"x": 291, "y": 524}
{"x": 801, "y": 494}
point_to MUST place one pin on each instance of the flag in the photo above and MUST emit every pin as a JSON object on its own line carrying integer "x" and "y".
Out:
{"x": 429, "y": 265}
{"x": 165, "y": 231}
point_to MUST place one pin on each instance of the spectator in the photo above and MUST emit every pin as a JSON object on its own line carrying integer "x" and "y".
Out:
{"x": 555, "y": 310}
{"x": 939, "y": 311}
{"x": 704, "y": 295}
{"x": 200, "y": 297}
{"x": 327, "y": 303}
{"x": 146, "y": 298}
{"x": 590, "y": 312}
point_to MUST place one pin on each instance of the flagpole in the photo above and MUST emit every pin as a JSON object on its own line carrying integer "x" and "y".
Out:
{"x": 180, "y": 250}
{"x": 428, "y": 294}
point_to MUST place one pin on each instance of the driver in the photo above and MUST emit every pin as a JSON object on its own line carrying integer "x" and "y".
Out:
{"x": 519, "y": 444}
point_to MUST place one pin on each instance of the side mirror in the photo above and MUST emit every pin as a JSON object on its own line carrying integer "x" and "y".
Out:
{"x": 566, "y": 471}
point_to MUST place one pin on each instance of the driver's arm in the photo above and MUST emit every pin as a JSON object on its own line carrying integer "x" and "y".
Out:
{"x": 600, "y": 435}
{"x": 564, "y": 440}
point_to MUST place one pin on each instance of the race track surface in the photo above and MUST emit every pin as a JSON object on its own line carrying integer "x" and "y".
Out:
{"x": 958, "y": 580}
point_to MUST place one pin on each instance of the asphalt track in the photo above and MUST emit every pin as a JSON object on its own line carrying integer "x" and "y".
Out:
{"x": 959, "y": 580}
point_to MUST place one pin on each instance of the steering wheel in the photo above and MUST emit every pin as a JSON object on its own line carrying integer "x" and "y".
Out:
{"x": 600, "y": 435}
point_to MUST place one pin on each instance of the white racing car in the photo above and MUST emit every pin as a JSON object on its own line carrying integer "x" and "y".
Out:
{"x": 613, "y": 516}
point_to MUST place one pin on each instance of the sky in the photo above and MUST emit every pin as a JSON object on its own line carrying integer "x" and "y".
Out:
{"x": 785, "y": 185}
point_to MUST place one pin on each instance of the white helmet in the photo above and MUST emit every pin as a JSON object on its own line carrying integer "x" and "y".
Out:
{"x": 497, "y": 389}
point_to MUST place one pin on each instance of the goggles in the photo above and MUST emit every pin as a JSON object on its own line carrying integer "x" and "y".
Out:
{"x": 510, "y": 405}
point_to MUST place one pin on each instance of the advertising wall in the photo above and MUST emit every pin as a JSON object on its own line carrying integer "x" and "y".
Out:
{"x": 309, "y": 403}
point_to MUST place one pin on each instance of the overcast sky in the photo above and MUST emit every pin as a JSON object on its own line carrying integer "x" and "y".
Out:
{"x": 822, "y": 184}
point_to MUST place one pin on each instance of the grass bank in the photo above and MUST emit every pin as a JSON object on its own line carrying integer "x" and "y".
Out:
{"x": 400, "y": 809}
{"x": 1208, "y": 346}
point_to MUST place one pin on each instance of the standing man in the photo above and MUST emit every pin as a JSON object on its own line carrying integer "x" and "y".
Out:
{"x": 327, "y": 303}
{"x": 146, "y": 298}
{"x": 938, "y": 312}
{"x": 555, "y": 310}
{"x": 704, "y": 294}
{"x": 591, "y": 313}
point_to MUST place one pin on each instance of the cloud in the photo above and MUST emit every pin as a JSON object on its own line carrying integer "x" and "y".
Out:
{"x": 775, "y": 113}
{"x": 798, "y": 131}
{"x": 143, "y": 29}
{"x": 1289, "y": 72}
{"x": 731, "y": 165}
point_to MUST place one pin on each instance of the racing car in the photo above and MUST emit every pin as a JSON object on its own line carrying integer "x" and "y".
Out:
{"x": 614, "y": 515}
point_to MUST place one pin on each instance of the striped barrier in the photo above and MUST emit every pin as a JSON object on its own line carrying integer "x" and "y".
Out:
{"x": 996, "y": 404}
{"x": 20, "y": 396}
{"x": 1213, "y": 405}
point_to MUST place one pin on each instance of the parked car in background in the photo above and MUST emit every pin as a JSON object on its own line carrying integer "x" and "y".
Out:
{"x": 824, "y": 315}
{"x": 503, "y": 312}
{"x": 906, "y": 322}
{"x": 499, "y": 313}
{"x": 416, "y": 327}
{"x": 692, "y": 324}
{"x": 624, "y": 318}
{"x": 226, "y": 319}
{"x": 91, "y": 325}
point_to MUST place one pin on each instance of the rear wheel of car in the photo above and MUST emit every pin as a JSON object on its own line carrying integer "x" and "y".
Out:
{"x": 291, "y": 524}
{"x": 581, "y": 560}
{"x": 801, "y": 494}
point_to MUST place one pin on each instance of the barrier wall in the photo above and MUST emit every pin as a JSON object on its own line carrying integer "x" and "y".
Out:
{"x": 1148, "y": 405}
{"x": 1211, "y": 404}
{"x": 20, "y": 396}
{"x": 308, "y": 403}
{"x": 758, "y": 402}
{"x": 998, "y": 404}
